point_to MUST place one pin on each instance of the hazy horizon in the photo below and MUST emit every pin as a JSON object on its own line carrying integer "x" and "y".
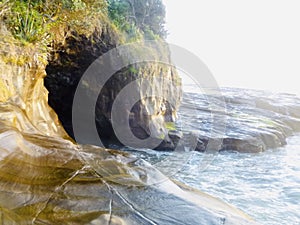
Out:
{"x": 246, "y": 44}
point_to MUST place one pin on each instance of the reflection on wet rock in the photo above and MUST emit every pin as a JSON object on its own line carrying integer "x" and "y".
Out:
{"x": 45, "y": 178}
{"x": 251, "y": 121}
{"x": 50, "y": 180}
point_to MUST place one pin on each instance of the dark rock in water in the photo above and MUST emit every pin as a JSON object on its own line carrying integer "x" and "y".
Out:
{"x": 201, "y": 145}
{"x": 171, "y": 141}
{"x": 253, "y": 145}
{"x": 252, "y": 121}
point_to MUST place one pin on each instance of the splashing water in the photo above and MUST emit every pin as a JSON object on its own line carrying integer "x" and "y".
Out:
{"x": 267, "y": 184}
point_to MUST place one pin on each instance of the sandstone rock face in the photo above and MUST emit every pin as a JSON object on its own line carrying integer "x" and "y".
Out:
{"x": 158, "y": 102}
{"x": 45, "y": 178}
{"x": 23, "y": 97}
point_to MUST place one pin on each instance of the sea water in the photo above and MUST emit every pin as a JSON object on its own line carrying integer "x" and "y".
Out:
{"x": 265, "y": 185}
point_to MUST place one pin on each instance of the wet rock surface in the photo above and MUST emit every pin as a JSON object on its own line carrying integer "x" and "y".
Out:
{"x": 45, "y": 178}
{"x": 51, "y": 180}
{"x": 251, "y": 121}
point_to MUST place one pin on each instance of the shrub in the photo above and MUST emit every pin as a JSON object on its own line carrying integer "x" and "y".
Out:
{"x": 31, "y": 20}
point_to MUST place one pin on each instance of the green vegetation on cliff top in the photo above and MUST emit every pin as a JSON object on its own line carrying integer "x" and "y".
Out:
{"x": 36, "y": 21}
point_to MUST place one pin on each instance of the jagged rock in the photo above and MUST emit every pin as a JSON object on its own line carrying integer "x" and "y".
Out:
{"x": 171, "y": 141}
{"x": 247, "y": 124}
{"x": 65, "y": 70}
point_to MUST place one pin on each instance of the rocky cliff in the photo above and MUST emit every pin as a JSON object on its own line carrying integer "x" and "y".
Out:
{"x": 23, "y": 96}
{"x": 148, "y": 117}
{"x": 45, "y": 178}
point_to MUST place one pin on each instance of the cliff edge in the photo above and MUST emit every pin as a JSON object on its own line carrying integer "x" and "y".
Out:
{"x": 45, "y": 178}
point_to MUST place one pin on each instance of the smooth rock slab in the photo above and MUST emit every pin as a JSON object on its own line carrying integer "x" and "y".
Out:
{"x": 47, "y": 180}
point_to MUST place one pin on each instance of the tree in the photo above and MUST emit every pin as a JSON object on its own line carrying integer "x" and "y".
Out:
{"x": 147, "y": 15}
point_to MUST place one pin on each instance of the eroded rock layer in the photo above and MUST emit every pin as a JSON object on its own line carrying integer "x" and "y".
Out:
{"x": 47, "y": 179}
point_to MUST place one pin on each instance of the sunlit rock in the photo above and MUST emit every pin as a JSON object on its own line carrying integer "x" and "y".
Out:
{"x": 45, "y": 178}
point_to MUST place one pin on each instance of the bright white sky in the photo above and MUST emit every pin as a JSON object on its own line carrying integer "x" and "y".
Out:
{"x": 245, "y": 43}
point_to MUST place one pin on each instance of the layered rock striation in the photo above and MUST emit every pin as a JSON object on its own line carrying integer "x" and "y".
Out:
{"x": 45, "y": 178}
{"x": 157, "y": 103}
